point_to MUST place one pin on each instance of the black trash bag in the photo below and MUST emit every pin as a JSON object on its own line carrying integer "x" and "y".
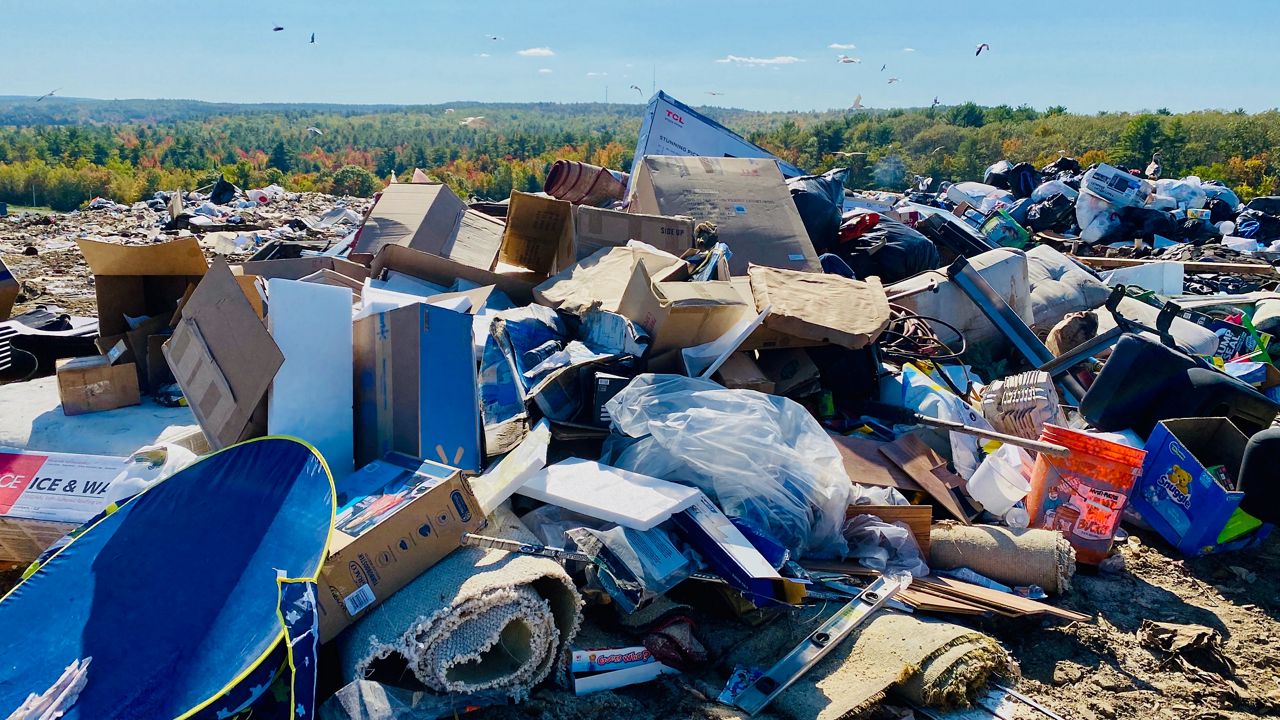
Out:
{"x": 1056, "y": 213}
{"x": 1220, "y": 211}
{"x": 1023, "y": 180}
{"x": 1267, "y": 205}
{"x": 891, "y": 251}
{"x": 1142, "y": 222}
{"x": 820, "y": 201}
{"x": 1194, "y": 231}
{"x": 998, "y": 174}
{"x": 1258, "y": 226}
{"x": 223, "y": 192}
{"x": 1064, "y": 164}
{"x": 1018, "y": 210}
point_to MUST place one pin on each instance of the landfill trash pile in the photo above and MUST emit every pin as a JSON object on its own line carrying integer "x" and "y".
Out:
{"x": 711, "y": 437}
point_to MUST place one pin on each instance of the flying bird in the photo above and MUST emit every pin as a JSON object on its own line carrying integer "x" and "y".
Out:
{"x": 937, "y": 150}
{"x": 495, "y": 38}
{"x": 449, "y": 110}
{"x": 48, "y": 94}
{"x": 277, "y": 28}
{"x": 857, "y": 103}
{"x": 981, "y": 47}
{"x": 315, "y": 131}
{"x": 842, "y": 153}
{"x": 935, "y": 102}
{"x": 714, "y": 93}
{"x": 882, "y": 67}
{"x": 477, "y": 121}
{"x": 893, "y": 80}
{"x": 313, "y": 38}
{"x": 637, "y": 89}
{"x": 848, "y": 60}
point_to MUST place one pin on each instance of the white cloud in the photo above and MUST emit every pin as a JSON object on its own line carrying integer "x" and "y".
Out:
{"x": 536, "y": 52}
{"x": 908, "y": 49}
{"x": 755, "y": 61}
{"x": 597, "y": 74}
{"x": 544, "y": 71}
{"x": 843, "y": 46}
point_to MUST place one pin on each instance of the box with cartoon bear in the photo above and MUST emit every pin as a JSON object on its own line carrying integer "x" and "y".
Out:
{"x": 1187, "y": 489}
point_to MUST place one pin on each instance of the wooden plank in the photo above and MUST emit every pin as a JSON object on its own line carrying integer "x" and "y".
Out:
{"x": 926, "y": 602}
{"x": 994, "y": 598}
{"x": 1190, "y": 268}
{"x": 927, "y": 468}
{"x": 866, "y": 466}
{"x": 917, "y": 517}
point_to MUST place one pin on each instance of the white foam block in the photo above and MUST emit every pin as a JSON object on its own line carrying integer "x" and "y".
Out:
{"x": 312, "y": 394}
{"x": 629, "y": 499}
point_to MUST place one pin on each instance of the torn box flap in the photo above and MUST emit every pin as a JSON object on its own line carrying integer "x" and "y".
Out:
{"x": 177, "y": 257}
{"x": 821, "y": 307}
{"x": 223, "y": 358}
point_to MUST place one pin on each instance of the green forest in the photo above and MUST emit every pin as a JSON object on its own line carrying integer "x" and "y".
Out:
{"x": 64, "y": 151}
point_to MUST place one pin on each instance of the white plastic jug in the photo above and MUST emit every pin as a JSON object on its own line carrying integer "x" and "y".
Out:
{"x": 1001, "y": 480}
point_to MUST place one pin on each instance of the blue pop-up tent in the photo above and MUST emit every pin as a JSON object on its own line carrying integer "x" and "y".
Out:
{"x": 175, "y": 596}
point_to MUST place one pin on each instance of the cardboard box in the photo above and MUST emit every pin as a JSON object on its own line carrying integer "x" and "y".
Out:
{"x": 422, "y": 216}
{"x": 9, "y": 289}
{"x": 732, "y": 556}
{"x": 223, "y": 359}
{"x": 43, "y": 496}
{"x": 93, "y": 384}
{"x": 298, "y": 268}
{"x": 670, "y": 127}
{"x": 597, "y": 228}
{"x": 680, "y": 314}
{"x": 740, "y": 372}
{"x": 416, "y": 386}
{"x": 442, "y": 271}
{"x": 539, "y": 234}
{"x": 746, "y": 198}
{"x": 599, "y": 281}
{"x": 399, "y": 516}
{"x": 1187, "y": 504}
{"x": 791, "y": 370}
{"x": 827, "y": 309}
{"x": 140, "y": 280}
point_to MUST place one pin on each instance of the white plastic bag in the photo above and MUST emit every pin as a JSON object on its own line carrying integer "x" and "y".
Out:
{"x": 761, "y": 458}
{"x": 146, "y": 467}
{"x": 1185, "y": 192}
{"x": 887, "y": 547}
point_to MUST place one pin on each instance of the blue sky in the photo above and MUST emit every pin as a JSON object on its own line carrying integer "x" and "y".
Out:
{"x": 1087, "y": 55}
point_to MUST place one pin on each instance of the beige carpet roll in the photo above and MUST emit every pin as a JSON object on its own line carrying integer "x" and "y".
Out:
{"x": 480, "y": 620}
{"x": 1012, "y": 557}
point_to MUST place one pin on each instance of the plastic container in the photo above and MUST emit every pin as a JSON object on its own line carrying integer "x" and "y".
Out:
{"x": 999, "y": 482}
{"x": 1083, "y": 495}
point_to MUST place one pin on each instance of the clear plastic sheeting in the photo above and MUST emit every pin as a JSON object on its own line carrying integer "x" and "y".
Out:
{"x": 887, "y": 547}
{"x": 762, "y": 458}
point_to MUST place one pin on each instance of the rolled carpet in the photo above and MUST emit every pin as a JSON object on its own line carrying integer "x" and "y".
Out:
{"x": 480, "y": 620}
{"x": 932, "y": 662}
{"x": 1013, "y": 557}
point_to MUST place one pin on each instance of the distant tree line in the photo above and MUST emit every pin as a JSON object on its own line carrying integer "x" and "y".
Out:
{"x": 70, "y": 151}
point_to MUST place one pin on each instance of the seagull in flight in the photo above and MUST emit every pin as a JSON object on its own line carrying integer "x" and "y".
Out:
{"x": 893, "y": 80}
{"x": 714, "y": 93}
{"x": 845, "y": 59}
{"x": 981, "y": 47}
{"x": 842, "y": 153}
{"x": 882, "y": 67}
{"x": 277, "y": 28}
{"x": 315, "y": 131}
{"x": 495, "y": 38}
{"x": 48, "y": 94}
{"x": 313, "y": 38}
{"x": 637, "y": 89}
{"x": 857, "y": 103}
{"x": 477, "y": 121}
{"x": 935, "y": 102}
